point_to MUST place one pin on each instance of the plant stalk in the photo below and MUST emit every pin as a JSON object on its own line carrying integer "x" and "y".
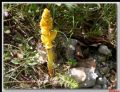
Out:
{"x": 51, "y": 60}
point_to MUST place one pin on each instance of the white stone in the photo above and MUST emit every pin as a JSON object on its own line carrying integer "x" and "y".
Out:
{"x": 78, "y": 74}
{"x": 85, "y": 76}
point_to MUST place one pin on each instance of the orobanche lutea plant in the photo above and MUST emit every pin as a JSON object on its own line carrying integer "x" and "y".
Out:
{"x": 47, "y": 38}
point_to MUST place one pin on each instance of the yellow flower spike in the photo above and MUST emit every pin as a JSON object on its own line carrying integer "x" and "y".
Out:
{"x": 46, "y": 24}
{"x": 47, "y": 37}
{"x": 45, "y": 32}
{"x": 53, "y": 35}
{"x": 46, "y": 20}
{"x": 46, "y": 41}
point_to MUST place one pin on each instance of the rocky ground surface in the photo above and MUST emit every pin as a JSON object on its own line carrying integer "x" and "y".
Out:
{"x": 95, "y": 65}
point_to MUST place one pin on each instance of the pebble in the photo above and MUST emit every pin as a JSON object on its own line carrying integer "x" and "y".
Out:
{"x": 103, "y": 49}
{"x": 104, "y": 70}
{"x": 70, "y": 48}
{"x": 97, "y": 72}
{"x": 101, "y": 58}
{"x": 102, "y": 81}
{"x": 86, "y": 76}
{"x": 78, "y": 74}
{"x": 91, "y": 78}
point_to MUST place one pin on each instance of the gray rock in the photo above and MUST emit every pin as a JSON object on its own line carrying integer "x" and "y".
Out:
{"x": 97, "y": 87}
{"x": 97, "y": 72}
{"x": 91, "y": 78}
{"x": 85, "y": 76}
{"x": 101, "y": 58}
{"x": 70, "y": 48}
{"x": 102, "y": 81}
{"x": 103, "y": 49}
{"x": 104, "y": 70}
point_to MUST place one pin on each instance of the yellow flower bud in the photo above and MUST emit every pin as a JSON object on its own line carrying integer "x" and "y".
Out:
{"x": 46, "y": 41}
{"x": 45, "y": 32}
{"x": 46, "y": 20}
{"x": 49, "y": 45}
{"x": 49, "y": 37}
{"x": 53, "y": 35}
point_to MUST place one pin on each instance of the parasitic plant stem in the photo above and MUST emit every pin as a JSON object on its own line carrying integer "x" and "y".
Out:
{"x": 47, "y": 38}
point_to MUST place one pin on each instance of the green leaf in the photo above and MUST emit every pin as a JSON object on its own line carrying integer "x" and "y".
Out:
{"x": 31, "y": 62}
{"x": 68, "y": 81}
{"x": 72, "y": 62}
{"x": 7, "y": 56}
{"x": 15, "y": 61}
